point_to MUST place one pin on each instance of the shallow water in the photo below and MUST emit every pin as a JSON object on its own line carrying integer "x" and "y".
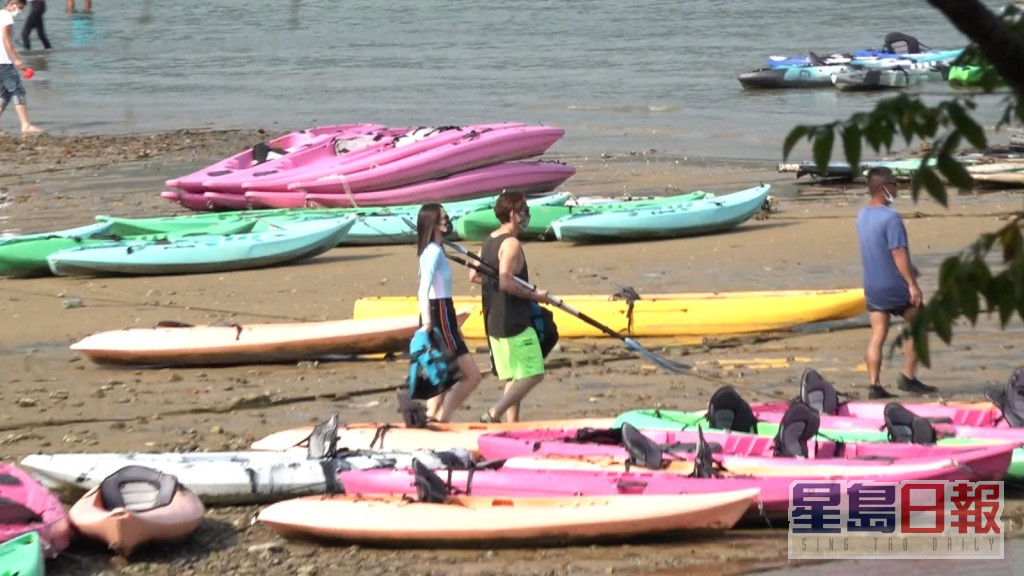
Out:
{"x": 618, "y": 76}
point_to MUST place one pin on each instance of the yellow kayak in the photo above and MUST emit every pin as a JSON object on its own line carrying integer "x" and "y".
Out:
{"x": 695, "y": 314}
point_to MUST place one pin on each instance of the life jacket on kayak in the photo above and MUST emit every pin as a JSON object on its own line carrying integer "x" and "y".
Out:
{"x": 818, "y": 393}
{"x": 905, "y": 426}
{"x": 900, "y": 43}
{"x": 728, "y": 411}
{"x": 799, "y": 424}
{"x": 432, "y": 366}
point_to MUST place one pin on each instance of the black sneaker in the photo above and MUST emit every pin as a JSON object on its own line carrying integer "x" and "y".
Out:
{"x": 876, "y": 392}
{"x": 914, "y": 386}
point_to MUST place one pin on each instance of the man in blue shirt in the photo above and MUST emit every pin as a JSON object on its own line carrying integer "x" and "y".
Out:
{"x": 890, "y": 280}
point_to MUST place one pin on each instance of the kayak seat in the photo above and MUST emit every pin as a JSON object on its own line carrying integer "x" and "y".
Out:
{"x": 609, "y": 436}
{"x": 900, "y": 43}
{"x": 799, "y": 424}
{"x": 728, "y": 411}
{"x": 704, "y": 463}
{"x": 643, "y": 451}
{"x": 9, "y": 480}
{"x": 905, "y": 426}
{"x": 137, "y": 488}
{"x": 12, "y": 512}
{"x": 323, "y": 440}
{"x": 429, "y": 486}
{"x": 1010, "y": 400}
{"x": 818, "y": 393}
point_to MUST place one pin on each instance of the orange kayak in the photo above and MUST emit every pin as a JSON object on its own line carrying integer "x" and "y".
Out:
{"x": 478, "y": 520}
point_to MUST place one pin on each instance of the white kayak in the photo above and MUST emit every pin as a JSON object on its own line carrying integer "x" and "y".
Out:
{"x": 232, "y": 477}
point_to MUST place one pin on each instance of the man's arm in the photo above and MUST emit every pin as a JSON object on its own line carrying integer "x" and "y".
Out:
{"x": 9, "y": 46}
{"x": 509, "y": 261}
{"x": 901, "y": 257}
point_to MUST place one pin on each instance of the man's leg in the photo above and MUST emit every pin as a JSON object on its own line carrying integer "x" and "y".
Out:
{"x": 909, "y": 354}
{"x": 515, "y": 391}
{"x": 879, "y": 331}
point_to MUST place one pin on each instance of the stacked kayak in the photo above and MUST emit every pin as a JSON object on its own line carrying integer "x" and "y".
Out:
{"x": 704, "y": 216}
{"x": 478, "y": 224}
{"x": 204, "y": 253}
{"x": 683, "y": 314}
{"x": 185, "y": 345}
{"x": 900, "y": 75}
{"x": 384, "y": 167}
{"x": 22, "y": 556}
{"x": 483, "y": 521}
{"x": 27, "y": 507}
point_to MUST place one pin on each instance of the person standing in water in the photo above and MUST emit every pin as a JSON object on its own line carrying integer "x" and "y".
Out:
{"x": 70, "y": 4}
{"x": 10, "y": 65}
{"x": 508, "y": 313}
{"x": 890, "y": 281}
{"x": 437, "y": 310}
{"x": 34, "y": 21}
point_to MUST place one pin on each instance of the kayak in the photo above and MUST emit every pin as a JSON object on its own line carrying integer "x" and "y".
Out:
{"x": 474, "y": 148}
{"x": 292, "y": 143}
{"x": 479, "y": 224}
{"x": 29, "y": 507}
{"x": 186, "y": 345}
{"x": 790, "y": 77}
{"x": 204, "y": 253}
{"x": 697, "y": 217}
{"x": 486, "y": 521}
{"x": 134, "y": 506}
{"x": 971, "y": 75}
{"x": 396, "y": 436}
{"x": 22, "y": 556}
{"x": 682, "y": 314}
{"x": 900, "y": 76}
{"x": 735, "y": 450}
{"x": 230, "y": 478}
{"x": 28, "y": 258}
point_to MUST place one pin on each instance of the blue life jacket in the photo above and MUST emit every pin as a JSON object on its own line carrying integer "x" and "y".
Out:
{"x": 544, "y": 323}
{"x": 432, "y": 366}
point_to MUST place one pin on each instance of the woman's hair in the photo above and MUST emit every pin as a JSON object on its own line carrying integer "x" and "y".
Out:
{"x": 426, "y": 222}
{"x": 509, "y": 202}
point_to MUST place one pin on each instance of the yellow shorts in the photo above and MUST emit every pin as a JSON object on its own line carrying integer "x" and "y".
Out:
{"x": 517, "y": 357}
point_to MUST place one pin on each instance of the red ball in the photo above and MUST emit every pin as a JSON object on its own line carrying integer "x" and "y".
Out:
{"x": 28, "y": 73}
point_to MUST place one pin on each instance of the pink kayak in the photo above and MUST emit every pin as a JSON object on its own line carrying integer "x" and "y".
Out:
{"x": 738, "y": 450}
{"x": 474, "y": 150}
{"x": 392, "y": 147}
{"x": 26, "y": 506}
{"x": 773, "y": 502}
{"x": 191, "y": 200}
{"x": 243, "y": 161}
{"x": 531, "y": 178}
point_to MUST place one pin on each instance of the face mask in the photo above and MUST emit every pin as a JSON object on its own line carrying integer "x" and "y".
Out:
{"x": 889, "y": 199}
{"x": 525, "y": 222}
{"x": 15, "y": 12}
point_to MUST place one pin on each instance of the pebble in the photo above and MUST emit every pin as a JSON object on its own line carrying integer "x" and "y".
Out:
{"x": 72, "y": 303}
{"x": 277, "y": 546}
{"x": 26, "y": 402}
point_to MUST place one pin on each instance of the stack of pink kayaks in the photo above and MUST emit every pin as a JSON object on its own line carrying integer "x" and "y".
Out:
{"x": 367, "y": 165}
{"x": 26, "y": 506}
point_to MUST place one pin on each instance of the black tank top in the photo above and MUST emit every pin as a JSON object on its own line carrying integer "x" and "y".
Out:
{"x": 504, "y": 315}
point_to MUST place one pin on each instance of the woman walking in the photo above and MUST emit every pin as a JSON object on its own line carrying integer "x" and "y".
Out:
{"x": 34, "y": 21}
{"x": 438, "y": 311}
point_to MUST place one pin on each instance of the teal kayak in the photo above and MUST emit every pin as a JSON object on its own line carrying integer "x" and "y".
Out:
{"x": 479, "y": 223}
{"x": 22, "y": 556}
{"x": 26, "y": 257}
{"x": 677, "y": 420}
{"x": 205, "y": 253}
{"x": 675, "y": 220}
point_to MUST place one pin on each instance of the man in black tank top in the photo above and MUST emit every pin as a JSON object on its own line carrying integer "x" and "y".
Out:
{"x": 511, "y": 335}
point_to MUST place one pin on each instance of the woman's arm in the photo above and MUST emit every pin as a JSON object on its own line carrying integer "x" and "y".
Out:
{"x": 428, "y": 268}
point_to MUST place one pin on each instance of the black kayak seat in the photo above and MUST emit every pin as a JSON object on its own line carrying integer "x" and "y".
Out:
{"x": 323, "y": 440}
{"x": 113, "y": 488}
{"x": 429, "y": 486}
{"x": 900, "y": 43}
{"x": 905, "y": 426}
{"x": 798, "y": 425}
{"x": 818, "y": 393}
{"x": 642, "y": 451}
{"x": 703, "y": 462}
{"x": 728, "y": 411}
{"x": 1011, "y": 400}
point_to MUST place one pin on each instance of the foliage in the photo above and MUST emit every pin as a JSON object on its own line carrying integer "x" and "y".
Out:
{"x": 967, "y": 284}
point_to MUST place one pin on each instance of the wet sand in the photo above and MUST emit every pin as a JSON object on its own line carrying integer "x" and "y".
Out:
{"x": 51, "y": 400}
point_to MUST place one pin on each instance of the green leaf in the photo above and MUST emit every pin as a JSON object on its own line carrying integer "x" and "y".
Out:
{"x": 968, "y": 301}
{"x": 851, "y": 144}
{"x": 966, "y": 125}
{"x": 823, "y": 142}
{"x": 927, "y": 178}
{"x": 921, "y": 344}
{"x": 792, "y": 138}
{"x": 941, "y": 322}
{"x": 954, "y": 171}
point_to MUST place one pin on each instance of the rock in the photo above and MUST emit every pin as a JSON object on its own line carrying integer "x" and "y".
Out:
{"x": 216, "y": 430}
{"x": 175, "y": 378}
{"x": 26, "y": 402}
{"x": 276, "y": 546}
{"x": 307, "y": 570}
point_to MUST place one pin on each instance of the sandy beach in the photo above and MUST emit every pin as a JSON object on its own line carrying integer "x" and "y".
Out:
{"x": 51, "y": 400}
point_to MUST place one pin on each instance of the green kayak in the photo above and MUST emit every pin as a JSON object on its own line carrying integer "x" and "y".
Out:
{"x": 676, "y": 420}
{"x": 26, "y": 257}
{"x": 478, "y": 224}
{"x": 22, "y": 556}
{"x": 971, "y": 75}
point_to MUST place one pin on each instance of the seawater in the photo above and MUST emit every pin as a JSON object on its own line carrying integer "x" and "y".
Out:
{"x": 618, "y": 76}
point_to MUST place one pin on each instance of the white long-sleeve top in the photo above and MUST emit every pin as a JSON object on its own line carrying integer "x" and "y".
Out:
{"x": 435, "y": 278}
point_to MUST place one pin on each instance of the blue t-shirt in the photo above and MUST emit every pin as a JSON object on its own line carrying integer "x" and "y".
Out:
{"x": 880, "y": 230}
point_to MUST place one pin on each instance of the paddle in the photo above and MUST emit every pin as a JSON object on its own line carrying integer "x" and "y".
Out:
{"x": 488, "y": 269}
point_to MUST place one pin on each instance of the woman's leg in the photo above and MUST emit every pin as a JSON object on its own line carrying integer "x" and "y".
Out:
{"x": 458, "y": 394}
{"x": 40, "y": 26}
